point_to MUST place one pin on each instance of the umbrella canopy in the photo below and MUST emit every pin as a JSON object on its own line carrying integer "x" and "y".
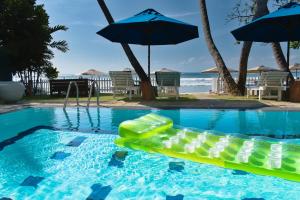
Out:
{"x": 92, "y": 72}
{"x": 214, "y": 70}
{"x": 295, "y": 67}
{"x": 279, "y": 26}
{"x": 260, "y": 69}
{"x": 149, "y": 28}
{"x": 282, "y": 25}
{"x": 128, "y": 69}
{"x": 166, "y": 70}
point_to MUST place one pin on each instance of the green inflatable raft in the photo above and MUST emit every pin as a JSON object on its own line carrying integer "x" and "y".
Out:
{"x": 155, "y": 134}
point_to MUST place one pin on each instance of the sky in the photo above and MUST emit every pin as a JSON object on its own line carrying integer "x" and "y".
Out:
{"x": 91, "y": 51}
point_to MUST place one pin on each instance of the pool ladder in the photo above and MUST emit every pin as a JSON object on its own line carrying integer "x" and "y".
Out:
{"x": 77, "y": 93}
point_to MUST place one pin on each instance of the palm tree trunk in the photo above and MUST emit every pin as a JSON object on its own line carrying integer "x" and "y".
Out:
{"x": 223, "y": 71}
{"x": 281, "y": 60}
{"x": 261, "y": 9}
{"x": 246, "y": 49}
{"x": 146, "y": 87}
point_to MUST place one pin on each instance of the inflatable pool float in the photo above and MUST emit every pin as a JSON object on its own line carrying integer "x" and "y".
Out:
{"x": 155, "y": 134}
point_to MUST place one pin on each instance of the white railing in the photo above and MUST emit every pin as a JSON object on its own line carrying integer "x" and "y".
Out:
{"x": 105, "y": 84}
{"x": 218, "y": 85}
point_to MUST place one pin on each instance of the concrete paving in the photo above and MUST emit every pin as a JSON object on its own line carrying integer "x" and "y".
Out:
{"x": 201, "y": 102}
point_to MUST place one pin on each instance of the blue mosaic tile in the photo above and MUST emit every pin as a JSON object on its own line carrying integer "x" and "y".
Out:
{"x": 239, "y": 172}
{"x": 76, "y": 142}
{"x": 99, "y": 192}
{"x": 253, "y": 199}
{"x": 5, "y": 198}
{"x": 177, "y": 197}
{"x": 176, "y": 166}
{"x": 118, "y": 158}
{"x": 60, "y": 155}
{"x": 32, "y": 181}
{"x": 21, "y": 135}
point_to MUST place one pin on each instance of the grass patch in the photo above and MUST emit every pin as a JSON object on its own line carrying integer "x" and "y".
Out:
{"x": 234, "y": 98}
{"x": 103, "y": 98}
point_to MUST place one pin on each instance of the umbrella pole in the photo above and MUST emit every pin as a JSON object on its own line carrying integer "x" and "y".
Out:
{"x": 288, "y": 54}
{"x": 149, "y": 57}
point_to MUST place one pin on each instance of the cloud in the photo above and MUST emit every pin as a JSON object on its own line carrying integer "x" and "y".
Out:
{"x": 84, "y": 23}
{"x": 191, "y": 59}
{"x": 188, "y": 61}
{"x": 182, "y": 15}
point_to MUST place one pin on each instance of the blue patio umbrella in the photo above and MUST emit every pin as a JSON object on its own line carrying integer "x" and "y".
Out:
{"x": 149, "y": 28}
{"x": 282, "y": 25}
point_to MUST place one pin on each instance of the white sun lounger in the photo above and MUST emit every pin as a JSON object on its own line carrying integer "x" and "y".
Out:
{"x": 123, "y": 83}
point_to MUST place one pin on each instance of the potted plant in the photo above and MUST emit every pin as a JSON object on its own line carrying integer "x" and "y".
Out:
{"x": 10, "y": 91}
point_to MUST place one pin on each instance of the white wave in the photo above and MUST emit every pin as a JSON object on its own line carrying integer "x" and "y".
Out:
{"x": 196, "y": 81}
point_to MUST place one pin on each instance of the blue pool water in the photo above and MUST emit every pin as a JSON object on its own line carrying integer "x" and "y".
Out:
{"x": 46, "y": 153}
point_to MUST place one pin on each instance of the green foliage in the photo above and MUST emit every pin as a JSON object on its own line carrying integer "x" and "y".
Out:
{"x": 295, "y": 45}
{"x": 243, "y": 10}
{"x": 283, "y": 2}
{"x": 51, "y": 72}
{"x": 25, "y": 34}
{"x": 26, "y": 37}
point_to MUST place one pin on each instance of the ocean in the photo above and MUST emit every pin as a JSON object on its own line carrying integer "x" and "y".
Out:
{"x": 196, "y": 82}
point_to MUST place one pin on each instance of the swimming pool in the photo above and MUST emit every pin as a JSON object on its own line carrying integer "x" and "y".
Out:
{"x": 46, "y": 153}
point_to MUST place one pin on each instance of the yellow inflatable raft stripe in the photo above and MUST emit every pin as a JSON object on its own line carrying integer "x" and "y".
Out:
{"x": 155, "y": 134}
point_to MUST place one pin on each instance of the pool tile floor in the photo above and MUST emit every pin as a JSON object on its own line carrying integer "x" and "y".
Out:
{"x": 99, "y": 192}
{"x": 117, "y": 159}
{"x": 76, "y": 142}
{"x": 60, "y": 155}
{"x": 32, "y": 181}
{"x": 177, "y": 197}
{"x": 176, "y": 166}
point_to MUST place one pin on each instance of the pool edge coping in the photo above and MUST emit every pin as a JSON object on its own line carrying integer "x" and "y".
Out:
{"x": 16, "y": 107}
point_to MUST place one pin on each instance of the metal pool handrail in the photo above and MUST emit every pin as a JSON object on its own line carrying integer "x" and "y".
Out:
{"x": 90, "y": 93}
{"x": 68, "y": 93}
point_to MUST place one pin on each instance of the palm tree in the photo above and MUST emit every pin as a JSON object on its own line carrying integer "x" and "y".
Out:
{"x": 41, "y": 61}
{"x": 277, "y": 50}
{"x": 61, "y": 45}
{"x": 280, "y": 59}
{"x": 146, "y": 87}
{"x": 230, "y": 84}
{"x": 260, "y": 9}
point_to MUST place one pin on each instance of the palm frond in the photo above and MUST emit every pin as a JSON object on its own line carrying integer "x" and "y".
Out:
{"x": 61, "y": 45}
{"x": 58, "y": 28}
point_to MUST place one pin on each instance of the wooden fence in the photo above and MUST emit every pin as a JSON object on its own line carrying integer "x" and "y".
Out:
{"x": 105, "y": 84}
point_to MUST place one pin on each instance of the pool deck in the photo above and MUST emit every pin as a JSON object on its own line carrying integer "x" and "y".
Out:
{"x": 201, "y": 101}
